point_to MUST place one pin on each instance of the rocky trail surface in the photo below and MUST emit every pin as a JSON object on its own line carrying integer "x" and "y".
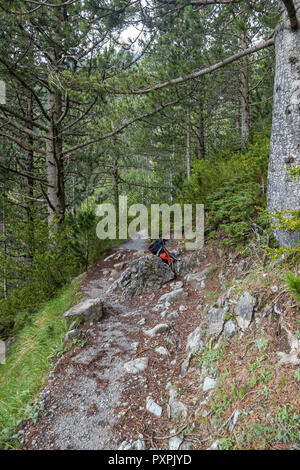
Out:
{"x": 129, "y": 379}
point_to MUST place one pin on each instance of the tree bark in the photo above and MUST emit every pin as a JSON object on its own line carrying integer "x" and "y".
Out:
{"x": 284, "y": 193}
{"x": 200, "y": 132}
{"x": 54, "y": 162}
{"x": 115, "y": 184}
{"x": 29, "y": 185}
{"x": 188, "y": 147}
{"x": 4, "y": 250}
{"x": 244, "y": 90}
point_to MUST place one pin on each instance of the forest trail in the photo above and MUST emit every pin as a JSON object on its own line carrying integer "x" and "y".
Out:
{"x": 90, "y": 392}
{"x": 125, "y": 388}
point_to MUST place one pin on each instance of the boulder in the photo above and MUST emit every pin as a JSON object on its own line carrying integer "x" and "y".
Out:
{"x": 197, "y": 280}
{"x": 290, "y": 348}
{"x": 176, "y": 285}
{"x": 177, "y": 443}
{"x": 216, "y": 322}
{"x": 144, "y": 274}
{"x": 175, "y": 408}
{"x": 233, "y": 421}
{"x": 214, "y": 446}
{"x": 87, "y": 310}
{"x": 173, "y": 296}
{"x": 194, "y": 341}
{"x": 136, "y": 365}
{"x": 133, "y": 445}
{"x": 153, "y": 407}
{"x": 191, "y": 262}
{"x": 209, "y": 384}
{"x": 72, "y": 334}
{"x": 157, "y": 330}
{"x": 162, "y": 350}
{"x": 244, "y": 310}
{"x": 229, "y": 329}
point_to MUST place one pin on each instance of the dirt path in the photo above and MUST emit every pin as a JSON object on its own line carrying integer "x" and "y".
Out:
{"x": 91, "y": 401}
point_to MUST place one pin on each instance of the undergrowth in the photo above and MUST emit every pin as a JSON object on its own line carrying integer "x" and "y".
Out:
{"x": 28, "y": 361}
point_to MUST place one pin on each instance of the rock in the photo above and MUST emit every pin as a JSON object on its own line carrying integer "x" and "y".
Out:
{"x": 241, "y": 266}
{"x": 244, "y": 310}
{"x": 177, "y": 443}
{"x": 175, "y": 408}
{"x": 216, "y": 322}
{"x": 176, "y": 285}
{"x": 194, "y": 342}
{"x": 119, "y": 266}
{"x": 158, "y": 307}
{"x": 157, "y": 330}
{"x": 163, "y": 313}
{"x": 290, "y": 348}
{"x": 190, "y": 262}
{"x": 197, "y": 280}
{"x": 214, "y": 446}
{"x": 72, "y": 334}
{"x": 135, "y": 445}
{"x": 173, "y": 314}
{"x": 87, "y": 310}
{"x": 144, "y": 274}
{"x": 136, "y": 365}
{"x": 153, "y": 407}
{"x": 109, "y": 257}
{"x": 209, "y": 384}
{"x": 162, "y": 350}
{"x": 233, "y": 420}
{"x": 229, "y": 329}
{"x": 135, "y": 345}
{"x": 186, "y": 363}
{"x": 173, "y": 296}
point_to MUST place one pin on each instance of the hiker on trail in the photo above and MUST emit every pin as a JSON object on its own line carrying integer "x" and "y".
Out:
{"x": 158, "y": 248}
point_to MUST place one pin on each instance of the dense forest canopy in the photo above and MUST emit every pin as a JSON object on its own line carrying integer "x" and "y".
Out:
{"x": 160, "y": 100}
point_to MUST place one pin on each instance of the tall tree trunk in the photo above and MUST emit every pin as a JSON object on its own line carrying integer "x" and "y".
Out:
{"x": 4, "y": 250}
{"x": 238, "y": 118}
{"x": 54, "y": 162}
{"x": 188, "y": 147}
{"x": 29, "y": 186}
{"x": 284, "y": 193}
{"x": 115, "y": 184}
{"x": 200, "y": 131}
{"x": 244, "y": 90}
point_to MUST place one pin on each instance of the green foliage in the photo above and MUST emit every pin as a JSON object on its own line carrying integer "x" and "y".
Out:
{"x": 293, "y": 285}
{"x": 83, "y": 234}
{"x": 234, "y": 203}
{"x": 53, "y": 264}
{"x": 28, "y": 359}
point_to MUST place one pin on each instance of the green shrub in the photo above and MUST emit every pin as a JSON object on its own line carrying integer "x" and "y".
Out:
{"x": 293, "y": 285}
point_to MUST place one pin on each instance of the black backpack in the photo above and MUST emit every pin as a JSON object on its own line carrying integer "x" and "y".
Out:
{"x": 157, "y": 247}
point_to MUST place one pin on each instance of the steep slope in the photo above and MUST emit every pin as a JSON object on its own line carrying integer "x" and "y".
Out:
{"x": 208, "y": 359}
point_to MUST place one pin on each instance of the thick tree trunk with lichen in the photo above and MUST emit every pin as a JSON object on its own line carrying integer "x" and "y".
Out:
{"x": 284, "y": 193}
